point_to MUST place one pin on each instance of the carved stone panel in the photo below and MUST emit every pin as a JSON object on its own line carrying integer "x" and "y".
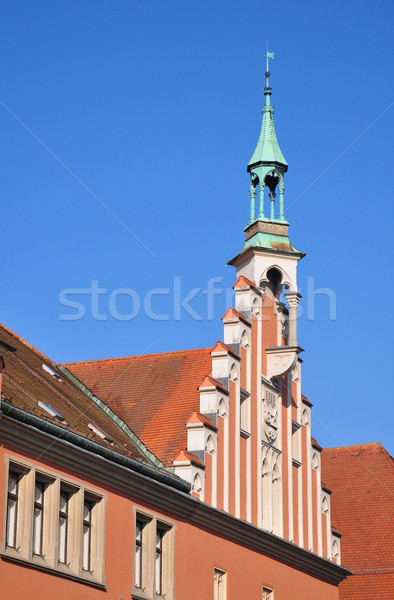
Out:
{"x": 280, "y": 360}
{"x": 270, "y": 416}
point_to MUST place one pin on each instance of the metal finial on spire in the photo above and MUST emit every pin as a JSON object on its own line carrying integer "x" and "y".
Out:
{"x": 267, "y": 73}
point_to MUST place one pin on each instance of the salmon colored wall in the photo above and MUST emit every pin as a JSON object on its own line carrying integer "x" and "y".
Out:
{"x": 295, "y": 505}
{"x": 220, "y": 455}
{"x": 244, "y": 363}
{"x": 294, "y": 406}
{"x": 197, "y": 553}
{"x": 243, "y": 470}
{"x": 18, "y": 581}
{"x": 247, "y": 571}
{"x": 304, "y": 467}
{"x": 208, "y": 478}
{"x": 314, "y": 515}
{"x": 269, "y": 329}
{"x": 285, "y": 473}
{"x": 243, "y": 443}
{"x": 254, "y": 438}
{"x": 231, "y": 461}
{"x": 324, "y": 534}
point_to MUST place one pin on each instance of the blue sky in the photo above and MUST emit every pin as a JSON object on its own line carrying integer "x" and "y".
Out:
{"x": 152, "y": 110}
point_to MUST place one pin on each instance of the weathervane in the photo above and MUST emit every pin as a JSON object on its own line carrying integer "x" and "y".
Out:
{"x": 267, "y": 73}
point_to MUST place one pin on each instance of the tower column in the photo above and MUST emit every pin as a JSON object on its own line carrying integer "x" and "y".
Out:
{"x": 293, "y": 299}
{"x": 261, "y": 209}
{"x": 252, "y": 193}
{"x": 281, "y": 203}
{"x": 272, "y": 199}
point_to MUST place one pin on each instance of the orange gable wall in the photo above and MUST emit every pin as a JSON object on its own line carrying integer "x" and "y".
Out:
{"x": 233, "y": 472}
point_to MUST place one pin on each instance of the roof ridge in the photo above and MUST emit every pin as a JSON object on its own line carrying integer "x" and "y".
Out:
{"x": 386, "y": 454}
{"x": 351, "y": 446}
{"x": 27, "y": 344}
{"x": 118, "y": 358}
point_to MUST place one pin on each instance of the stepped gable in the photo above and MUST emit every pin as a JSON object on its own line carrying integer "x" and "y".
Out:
{"x": 362, "y": 481}
{"x": 155, "y": 394}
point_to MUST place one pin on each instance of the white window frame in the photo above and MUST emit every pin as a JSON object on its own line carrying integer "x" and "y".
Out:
{"x": 268, "y": 593}
{"x": 38, "y": 515}
{"x": 146, "y": 585}
{"x": 219, "y": 584}
{"x": 12, "y": 511}
{"x": 296, "y": 443}
{"x": 244, "y": 410}
{"x": 53, "y": 482}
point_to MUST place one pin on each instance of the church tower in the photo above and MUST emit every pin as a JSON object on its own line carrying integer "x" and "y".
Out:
{"x": 268, "y": 258}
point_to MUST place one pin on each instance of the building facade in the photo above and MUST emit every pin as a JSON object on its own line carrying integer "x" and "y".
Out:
{"x": 184, "y": 475}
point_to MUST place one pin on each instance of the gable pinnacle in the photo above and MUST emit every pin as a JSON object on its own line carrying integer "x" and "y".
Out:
{"x": 267, "y": 165}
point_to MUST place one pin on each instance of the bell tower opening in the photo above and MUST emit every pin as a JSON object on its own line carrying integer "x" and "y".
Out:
{"x": 274, "y": 283}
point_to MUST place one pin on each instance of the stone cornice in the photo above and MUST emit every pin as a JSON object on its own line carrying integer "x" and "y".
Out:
{"x": 180, "y": 504}
{"x": 243, "y": 256}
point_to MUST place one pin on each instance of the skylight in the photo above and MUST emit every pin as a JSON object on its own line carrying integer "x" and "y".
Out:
{"x": 99, "y": 433}
{"x": 51, "y": 411}
{"x": 51, "y": 372}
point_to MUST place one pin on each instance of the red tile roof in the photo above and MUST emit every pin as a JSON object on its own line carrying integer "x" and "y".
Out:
{"x": 315, "y": 444}
{"x": 26, "y": 383}
{"x": 210, "y": 382}
{"x": 221, "y": 347}
{"x": 243, "y": 281}
{"x": 231, "y": 313}
{"x": 305, "y": 400}
{"x": 185, "y": 456}
{"x": 197, "y": 417}
{"x": 362, "y": 480}
{"x": 154, "y": 394}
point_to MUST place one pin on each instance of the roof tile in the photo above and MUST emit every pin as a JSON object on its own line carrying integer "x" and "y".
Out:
{"x": 154, "y": 394}
{"x": 362, "y": 481}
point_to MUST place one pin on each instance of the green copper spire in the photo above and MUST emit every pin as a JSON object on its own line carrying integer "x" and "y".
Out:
{"x": 267, "y": 165}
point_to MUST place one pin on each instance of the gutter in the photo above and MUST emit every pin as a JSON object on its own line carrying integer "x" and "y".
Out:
{"x": 60, "y": 434}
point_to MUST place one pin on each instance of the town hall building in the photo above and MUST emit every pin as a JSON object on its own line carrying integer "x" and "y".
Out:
{"x": 189, "y": 475}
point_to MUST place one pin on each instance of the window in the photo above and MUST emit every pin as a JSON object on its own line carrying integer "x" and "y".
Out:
{"x": 160, "y": 533}
{"x": 296, "y": 443}
{"x": 63, "y": 525}
{"x": 38, "y": 517}
{"x": 244, "y": 417}
{"x": 139, "y": 527}
{"x": 153, "y": 558}
{"x": 87, "y": 534}
{"x": 12, "y": 508}
{"x": 51, "y": 411}
{"x": 219, "y": 584}
{"x": 66, "y": 531}
{"x": 268, "y": 594}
